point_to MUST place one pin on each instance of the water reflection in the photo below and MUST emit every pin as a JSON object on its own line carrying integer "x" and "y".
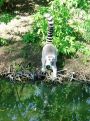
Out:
{"x": 43, "y": 102}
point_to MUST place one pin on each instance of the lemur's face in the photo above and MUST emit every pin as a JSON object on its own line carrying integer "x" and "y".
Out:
{"x": 50, "y": 61}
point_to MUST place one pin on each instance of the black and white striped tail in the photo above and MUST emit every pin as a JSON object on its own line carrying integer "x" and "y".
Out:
{"x": 50, "y": 27}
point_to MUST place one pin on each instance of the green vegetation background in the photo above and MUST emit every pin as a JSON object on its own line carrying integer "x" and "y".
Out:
{"x": 71, "y": 22}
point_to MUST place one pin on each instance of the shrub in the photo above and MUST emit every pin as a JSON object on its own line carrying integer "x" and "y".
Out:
{"x": 3, "y": 42}
{"x": 63, "y": 34}
{"x": 1, "y": 2}
{"x": 30, "y": 37}
{"x": 67, "y": 37}
{"x": 6, "y": 17}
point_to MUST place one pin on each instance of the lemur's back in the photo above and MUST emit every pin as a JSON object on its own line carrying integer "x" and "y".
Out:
{"x": 49, "y": 49}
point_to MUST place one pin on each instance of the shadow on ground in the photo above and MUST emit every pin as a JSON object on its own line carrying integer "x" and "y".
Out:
{"x": 20, "y": 53}
{"x": 23, "y": 54}
{"x": 22, "y": 6}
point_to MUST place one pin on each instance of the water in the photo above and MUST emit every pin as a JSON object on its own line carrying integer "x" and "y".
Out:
{"x": 43, "y": 102}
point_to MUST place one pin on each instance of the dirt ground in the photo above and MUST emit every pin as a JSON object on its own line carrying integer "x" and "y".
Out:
{"x": 20, "y": 53}
{"x": 79, "y": 66}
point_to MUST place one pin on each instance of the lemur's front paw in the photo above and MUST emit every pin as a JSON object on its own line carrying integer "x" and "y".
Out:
{"x": 54, "y": 77}
{"x": 43, "y": 70}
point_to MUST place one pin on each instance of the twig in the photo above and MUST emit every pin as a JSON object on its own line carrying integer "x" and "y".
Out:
{"x": 24, "y": 77}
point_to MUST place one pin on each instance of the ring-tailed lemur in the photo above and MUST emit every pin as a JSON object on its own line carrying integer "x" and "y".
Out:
{"x": 49, "y": 51}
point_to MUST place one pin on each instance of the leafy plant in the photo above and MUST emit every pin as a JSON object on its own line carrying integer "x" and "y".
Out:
{"x": 39, "y": 28}
{"x": 6, "y": 17}
{"x": 30, "y": 37}
{"x": 67, "y": 37}
{"x": 62, "y": 30}
{"x": 1, "y": 2}
{"x": 3, "y": 42}
{"x": 86, "y": 27}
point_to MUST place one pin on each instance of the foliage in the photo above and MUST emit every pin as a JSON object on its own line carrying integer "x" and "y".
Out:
{"x": 3, "y": 41}
{"x": 82, "y": 4}
{"x": 86, "y": 26}
{"x": 6, "y": 17}
{"x": 67, "y": 34}
{"x": 64, "y": 36}
{"x": 39, "y": 28}
{"x": 1, "y": 2}
{"x": 30, "y": 37}
{"x": 85, "y": 50}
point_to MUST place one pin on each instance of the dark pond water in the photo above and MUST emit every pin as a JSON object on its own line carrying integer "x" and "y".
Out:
{"x": 43, "y": 102}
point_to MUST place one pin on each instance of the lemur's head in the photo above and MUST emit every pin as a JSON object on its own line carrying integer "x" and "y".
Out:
{"x": 50, "y": 61}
